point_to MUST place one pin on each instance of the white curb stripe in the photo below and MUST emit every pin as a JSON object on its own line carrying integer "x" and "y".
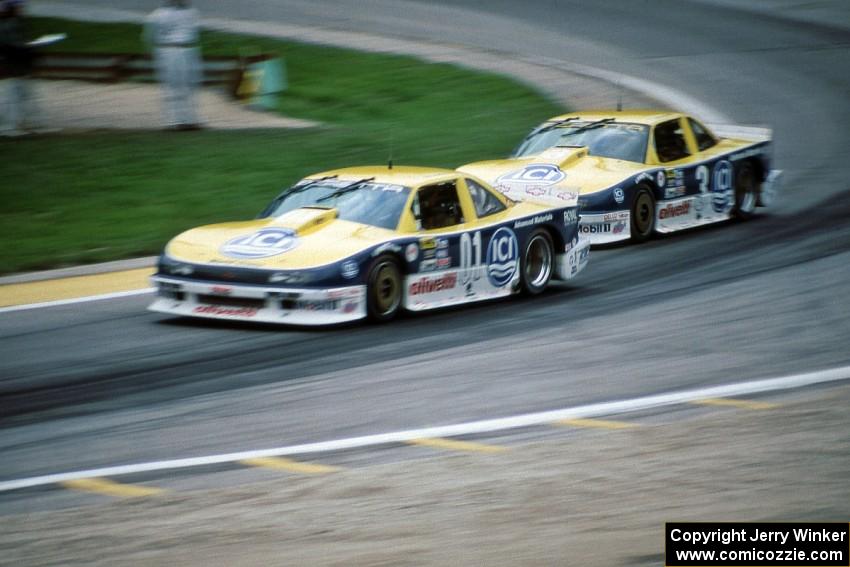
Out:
{"x": 485, "y": 426}
{"x": 77, "y": 300}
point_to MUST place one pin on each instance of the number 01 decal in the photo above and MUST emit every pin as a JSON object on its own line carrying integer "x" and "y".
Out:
{"x": 470, "y": 258}
{"x": 502, "y": 262}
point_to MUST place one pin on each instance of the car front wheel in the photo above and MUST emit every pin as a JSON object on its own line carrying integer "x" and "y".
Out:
{"x": 642, "y": 214}
{"x": 384, "y": 289}
{"x": 746, "y": 192}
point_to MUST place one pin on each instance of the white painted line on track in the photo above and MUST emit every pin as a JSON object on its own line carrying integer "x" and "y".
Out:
{"x": 87, "y": 299}
{"x": 485, "y": 426}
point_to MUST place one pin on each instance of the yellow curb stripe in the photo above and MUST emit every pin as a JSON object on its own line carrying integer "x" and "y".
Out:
{"x": 729, "y": 402}
{"x": 111, "y": 488}
{"x": 281, "y": 464}
{"x": 453, "y": 445}
{"x": 74, "y": 287}
{"x": 596, "y": 423}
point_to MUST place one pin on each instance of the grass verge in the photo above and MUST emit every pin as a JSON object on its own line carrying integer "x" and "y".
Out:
{"x": 81, "y": 198}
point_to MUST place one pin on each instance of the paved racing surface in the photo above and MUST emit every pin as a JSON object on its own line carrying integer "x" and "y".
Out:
{"x": 107, "y": 383}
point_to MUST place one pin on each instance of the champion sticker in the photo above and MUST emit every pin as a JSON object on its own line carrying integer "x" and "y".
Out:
{"x": 349, "y": 269}
{"x": 411, "y": 253}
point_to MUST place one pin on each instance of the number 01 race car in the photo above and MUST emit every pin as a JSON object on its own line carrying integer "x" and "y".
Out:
{"x": 639, "y": 172}
{"x": 367, "y": 242}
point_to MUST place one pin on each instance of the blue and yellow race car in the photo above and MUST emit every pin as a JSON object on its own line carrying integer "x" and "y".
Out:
{"x": 640, "y": 172}
{"x": 368, "y": 242}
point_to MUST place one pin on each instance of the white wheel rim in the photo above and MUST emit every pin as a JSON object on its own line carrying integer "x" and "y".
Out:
{"x": 538, "y": 261}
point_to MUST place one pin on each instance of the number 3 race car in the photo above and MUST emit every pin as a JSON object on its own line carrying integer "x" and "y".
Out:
{"x": 367, "y": 242}
{"x": 639, "y": 172}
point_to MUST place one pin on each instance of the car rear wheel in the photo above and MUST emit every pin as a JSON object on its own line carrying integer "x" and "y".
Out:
{"x": 538, "y": 261}
{"x": 383, "y": 292}
{"x": 746, "y": 192}
{"x": 642, "y": 214}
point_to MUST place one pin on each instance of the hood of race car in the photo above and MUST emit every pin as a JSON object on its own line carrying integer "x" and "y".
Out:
{"x": 300, "y": 239}
{"x": 554, "y": 172}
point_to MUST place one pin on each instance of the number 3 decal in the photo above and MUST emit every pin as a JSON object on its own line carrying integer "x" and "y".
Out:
{"x": 720, "y": 185}
{"x": 702, "y": 177}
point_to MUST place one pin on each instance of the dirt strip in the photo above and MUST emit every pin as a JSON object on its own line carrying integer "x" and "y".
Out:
{"x": 575, "y": 86}
{"x": 590, "y": 498}
{"x": 78, "y": 106}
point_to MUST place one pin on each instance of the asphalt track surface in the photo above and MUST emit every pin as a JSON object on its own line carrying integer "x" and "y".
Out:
{"x": 107, "y": 383}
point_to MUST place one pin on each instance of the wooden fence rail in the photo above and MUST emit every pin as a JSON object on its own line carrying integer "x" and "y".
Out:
{"x": 115, "y": 67}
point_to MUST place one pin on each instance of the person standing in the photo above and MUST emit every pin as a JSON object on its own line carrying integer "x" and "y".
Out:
{"x": 172, "y": 30}
{"x": 16, "y": 63}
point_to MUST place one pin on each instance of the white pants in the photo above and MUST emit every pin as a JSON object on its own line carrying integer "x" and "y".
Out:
{"x": 179, "y": 72}
{"x": 19, "y": 110}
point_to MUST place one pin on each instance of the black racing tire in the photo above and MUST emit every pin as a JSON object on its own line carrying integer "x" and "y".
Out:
{"x": 537, "y": 263}
{"x": 642, "y": 214}
{"x": 384, "y": 289}
{"x": 746, "y": 192}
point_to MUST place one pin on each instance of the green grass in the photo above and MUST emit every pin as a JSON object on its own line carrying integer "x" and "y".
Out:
{"x": 98, "y": 196}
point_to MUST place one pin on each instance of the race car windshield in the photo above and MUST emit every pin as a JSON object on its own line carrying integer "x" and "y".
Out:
{"x": 363, "y": 201}
{"x": 615, "y": 140}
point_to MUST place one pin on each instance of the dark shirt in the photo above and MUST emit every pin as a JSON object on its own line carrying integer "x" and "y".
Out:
{"x": 16, "y": 57}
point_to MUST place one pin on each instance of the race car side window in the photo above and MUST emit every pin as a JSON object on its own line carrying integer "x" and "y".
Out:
{"x": 485, "y": 202}
{"x": 704, "y": 138}
{"x": 670, "y": 144}
{"x": 439, "y": 206}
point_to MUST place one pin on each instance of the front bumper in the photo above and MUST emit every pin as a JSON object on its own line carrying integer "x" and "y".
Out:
{"x": 570, "y": 263}
{"x": 770, "y": 187}
{"x": 264, "y": 304}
